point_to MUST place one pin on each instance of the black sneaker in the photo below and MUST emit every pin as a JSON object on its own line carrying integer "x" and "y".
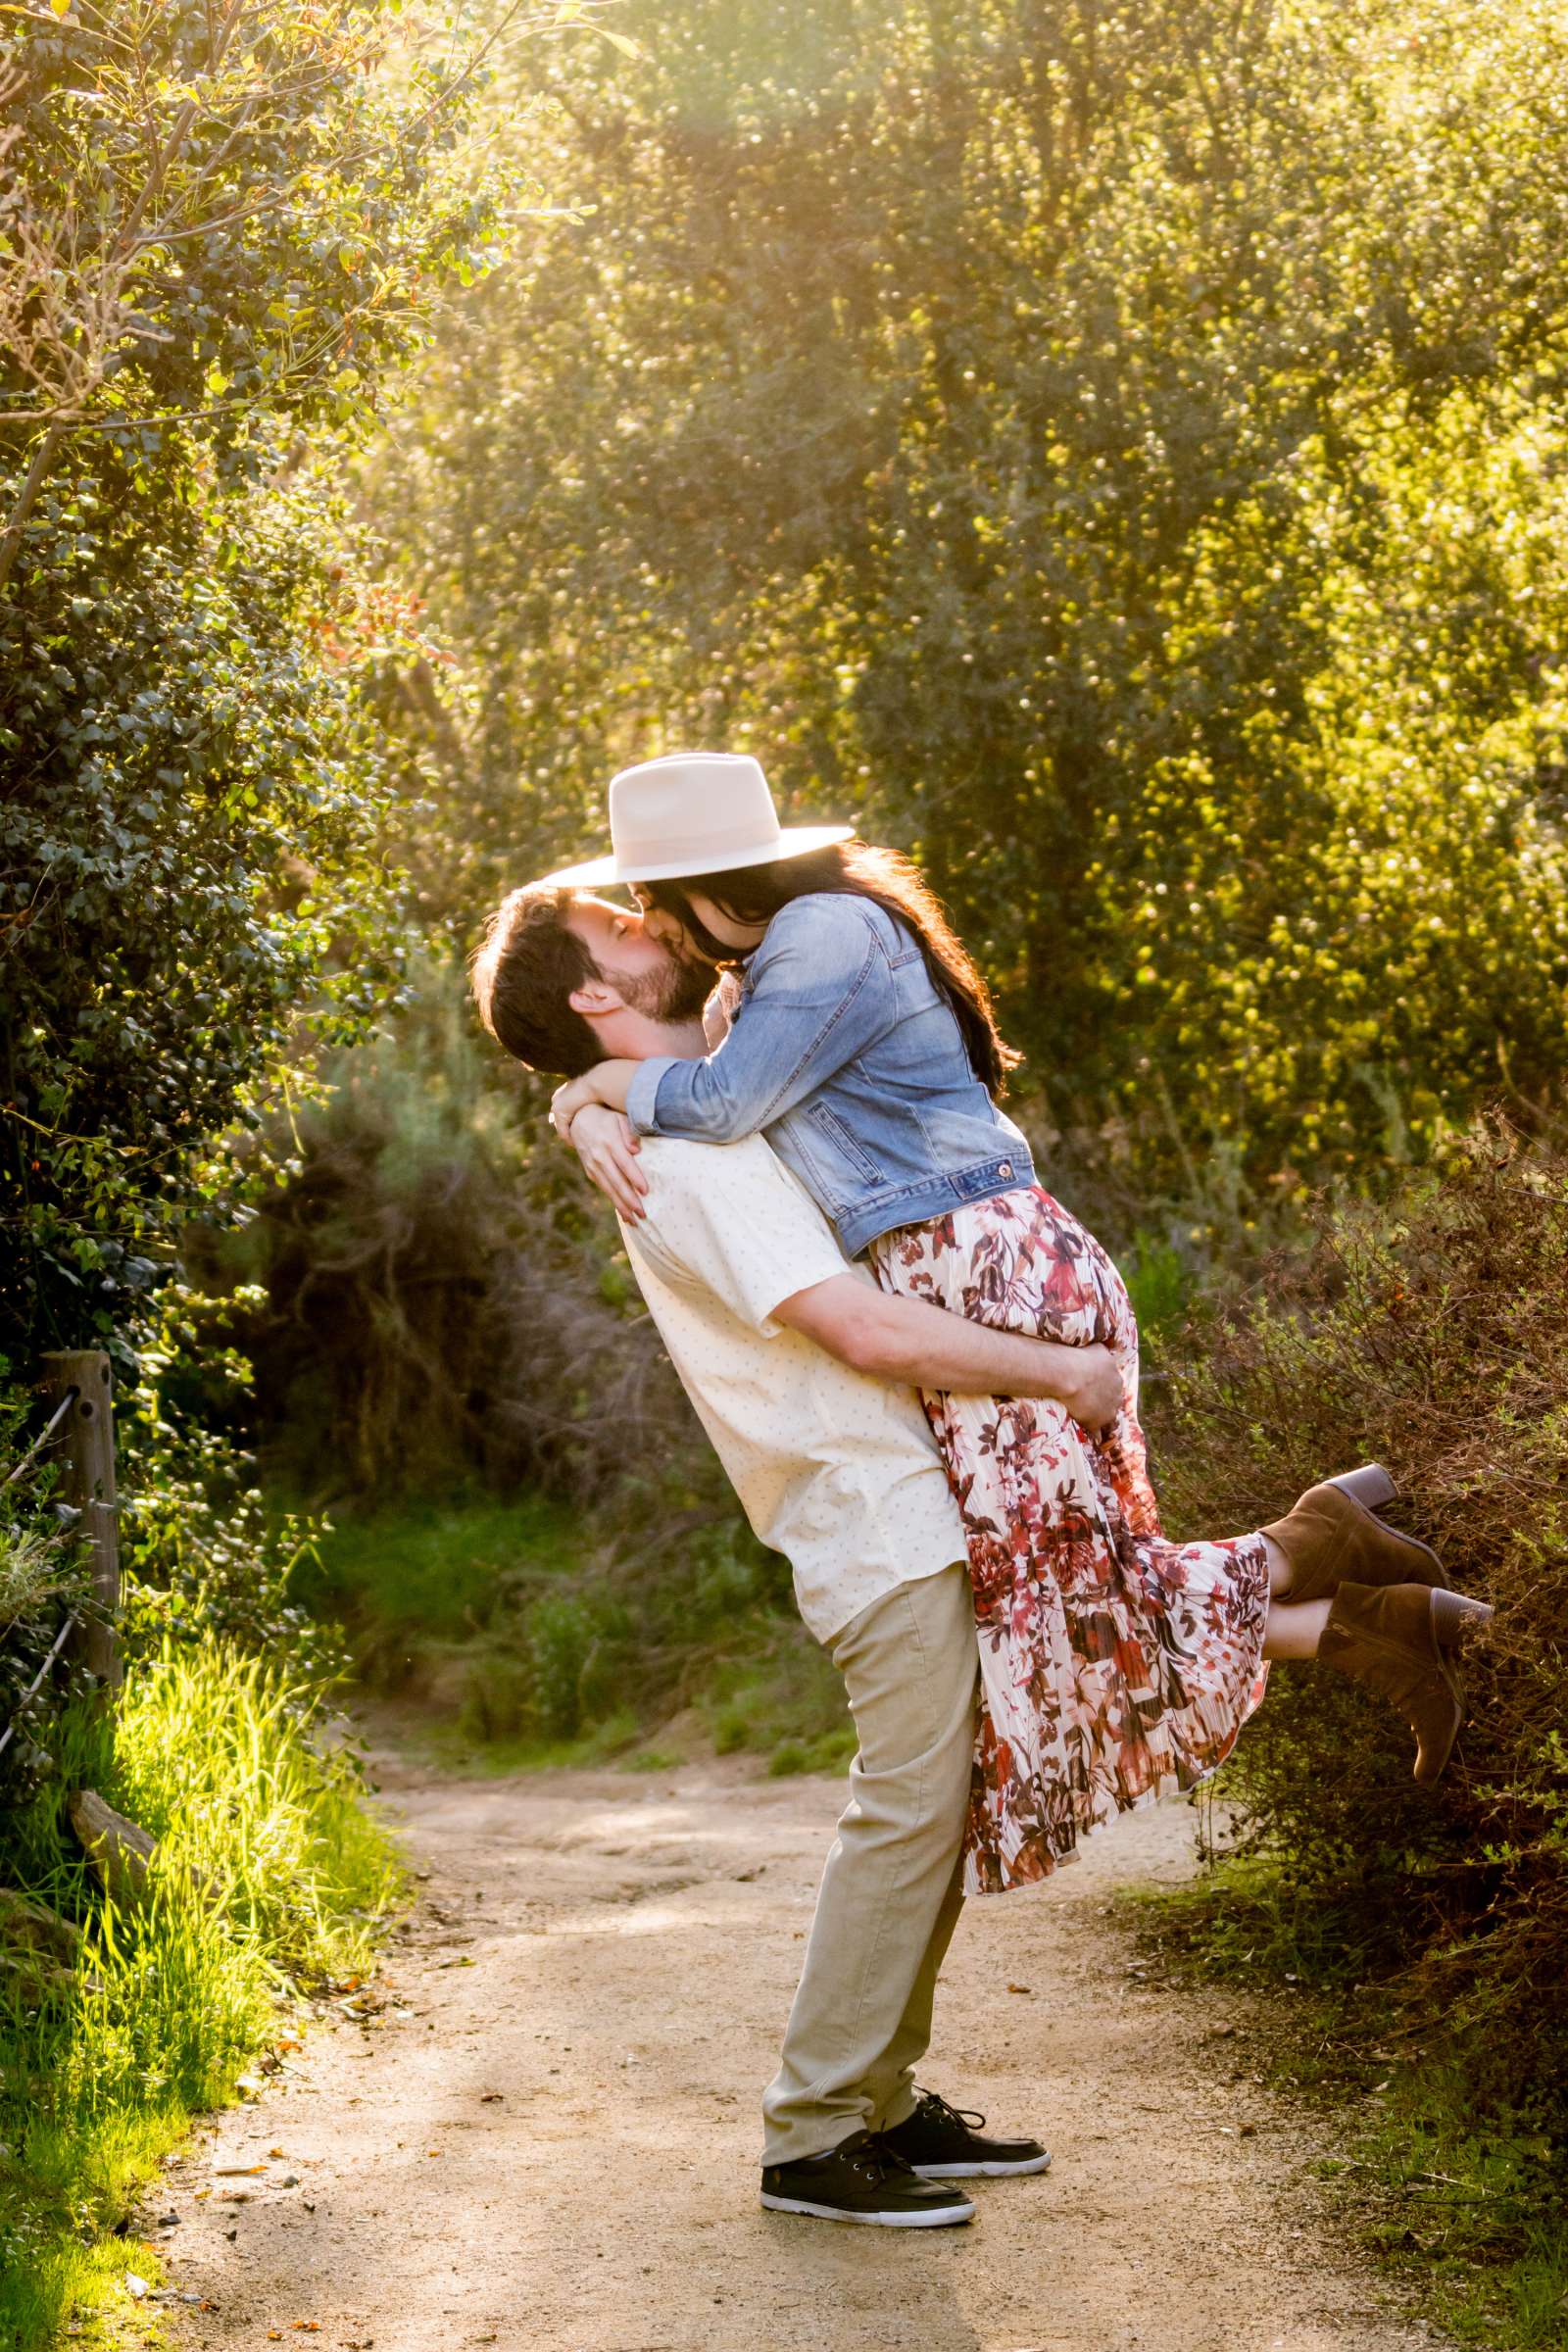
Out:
{"x": 862, "y": 2180}
{"x": 944, "y": 2143}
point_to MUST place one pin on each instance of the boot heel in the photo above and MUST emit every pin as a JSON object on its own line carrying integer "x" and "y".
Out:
{"x": 1387, "y": 1636}
{"x": 1370, "y": 1486}
{"x": 1452, "y": 1612}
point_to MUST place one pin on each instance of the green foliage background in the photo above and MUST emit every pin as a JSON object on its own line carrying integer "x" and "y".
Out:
{"x": 1116, "y": 453}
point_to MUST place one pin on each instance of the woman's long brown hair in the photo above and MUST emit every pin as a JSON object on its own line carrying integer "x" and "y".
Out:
{"x": 754, "y": 894}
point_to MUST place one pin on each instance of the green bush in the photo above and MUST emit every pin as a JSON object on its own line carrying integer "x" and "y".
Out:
{"x": 497, "y": 1698}
{"x": 565, "y": 1639}
{"x": 202, "y": 1557}
{"x": 555, "y": 1677}
{"x": 193, "y": 791}
{"x": 778, "y": 1694}
{"x": 1160, "y": 1284}
{"x": 1432, "y": 1335}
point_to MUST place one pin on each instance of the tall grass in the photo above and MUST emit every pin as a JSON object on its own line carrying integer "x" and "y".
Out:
{"x": 269, "y": 1876}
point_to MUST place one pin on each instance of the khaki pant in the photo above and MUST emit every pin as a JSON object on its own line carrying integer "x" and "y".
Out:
{"x": 890, "y": 1896}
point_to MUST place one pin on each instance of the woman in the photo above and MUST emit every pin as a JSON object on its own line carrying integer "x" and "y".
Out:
{"x": 1116, "y": 1666}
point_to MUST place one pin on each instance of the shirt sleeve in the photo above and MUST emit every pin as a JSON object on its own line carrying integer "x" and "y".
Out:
{"x": 735, "y": 1220}
{"x": 818, "y": 996}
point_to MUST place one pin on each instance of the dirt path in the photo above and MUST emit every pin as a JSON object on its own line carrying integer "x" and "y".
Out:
{"x": 547, "y": 2139}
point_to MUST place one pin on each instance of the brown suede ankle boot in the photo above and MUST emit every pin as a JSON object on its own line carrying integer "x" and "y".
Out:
{"x": 1334, "y": 1536}
{"x": 1395, "y": 1640}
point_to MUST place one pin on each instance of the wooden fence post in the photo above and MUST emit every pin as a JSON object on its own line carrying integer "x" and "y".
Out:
{"x": 88, "y": 1437}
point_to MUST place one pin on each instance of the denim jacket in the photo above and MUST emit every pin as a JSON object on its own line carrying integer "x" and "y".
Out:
{"x": 848, "y": 1056}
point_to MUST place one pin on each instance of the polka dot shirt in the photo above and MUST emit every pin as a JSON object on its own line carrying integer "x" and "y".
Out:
{"x": 835, "y": 1469}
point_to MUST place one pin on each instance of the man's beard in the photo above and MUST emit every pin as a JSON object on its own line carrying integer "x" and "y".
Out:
{"x": 678, "y": 993}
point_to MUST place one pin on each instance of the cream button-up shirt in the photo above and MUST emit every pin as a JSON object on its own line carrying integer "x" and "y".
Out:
{"x": 834, "y": 1469}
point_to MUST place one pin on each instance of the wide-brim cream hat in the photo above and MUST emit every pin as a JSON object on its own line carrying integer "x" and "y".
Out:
{"x": 693, "y": 812}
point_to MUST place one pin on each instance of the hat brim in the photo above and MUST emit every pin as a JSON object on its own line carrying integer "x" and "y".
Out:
{"x": 794, "y": 841}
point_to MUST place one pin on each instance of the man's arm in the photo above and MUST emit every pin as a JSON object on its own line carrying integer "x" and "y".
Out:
{"x": 910, "y": 1340}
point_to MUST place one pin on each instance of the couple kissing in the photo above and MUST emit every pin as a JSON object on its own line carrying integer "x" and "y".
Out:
{"x": 920, "y": 1373}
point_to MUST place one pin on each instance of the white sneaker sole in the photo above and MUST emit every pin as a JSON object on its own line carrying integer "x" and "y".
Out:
{"x": 983, "y": 2172}
{"x": 944, "y": 2219}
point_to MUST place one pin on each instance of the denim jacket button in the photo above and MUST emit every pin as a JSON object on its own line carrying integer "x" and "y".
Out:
{"x": 1006, "y": 1172}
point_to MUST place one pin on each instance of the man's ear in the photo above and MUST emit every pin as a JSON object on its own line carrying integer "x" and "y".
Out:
{"x": 595, "y": 999}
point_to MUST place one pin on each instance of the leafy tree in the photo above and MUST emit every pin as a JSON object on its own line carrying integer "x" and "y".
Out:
{"x": 1117, "y": 453}
{"x": 225, "y": 230}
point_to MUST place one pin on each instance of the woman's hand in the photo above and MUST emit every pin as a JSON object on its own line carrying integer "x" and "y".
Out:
{"x": 608, "y": 1082}
{"x": 719, "y": 1013}
{"x": 604, "y": 1141}
{"x": 566, "y": 1101}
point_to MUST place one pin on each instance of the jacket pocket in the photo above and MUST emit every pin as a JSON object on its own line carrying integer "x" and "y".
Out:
{"x": 833, "y": 1132}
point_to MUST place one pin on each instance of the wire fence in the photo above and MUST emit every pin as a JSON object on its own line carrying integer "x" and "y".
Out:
{"x": 38, "y": 1680}
{"x": 43, "y": 1437}
{"x": 73, "y": 1617}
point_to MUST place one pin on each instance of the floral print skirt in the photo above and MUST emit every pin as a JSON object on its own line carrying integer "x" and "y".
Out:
{"x": 1115, "y": 1666}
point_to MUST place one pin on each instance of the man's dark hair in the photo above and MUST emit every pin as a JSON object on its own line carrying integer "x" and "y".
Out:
{"x": 522, "y": 975}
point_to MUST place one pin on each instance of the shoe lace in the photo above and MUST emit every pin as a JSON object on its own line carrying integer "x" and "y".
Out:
{"x": 877, "y": 2162}
{"x": 940, "y": 2111}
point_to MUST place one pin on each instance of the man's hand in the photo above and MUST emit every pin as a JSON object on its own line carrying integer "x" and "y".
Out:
{"x": 929, "y": 1347}
{"x": 1096, "y": 1391}
{"x": 604, "y": 1141}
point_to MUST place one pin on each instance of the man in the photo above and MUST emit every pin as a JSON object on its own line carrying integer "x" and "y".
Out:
{"x": 802, "y": 1373}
